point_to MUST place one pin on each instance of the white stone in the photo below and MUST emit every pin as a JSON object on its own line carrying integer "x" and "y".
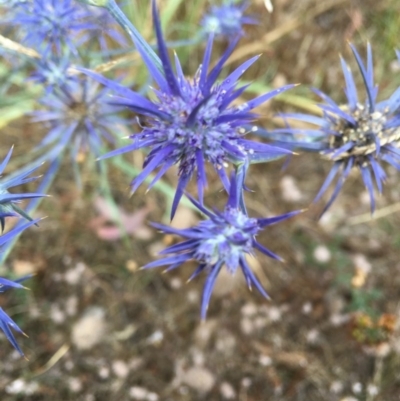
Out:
{"x": 120, "y": 369}
{"x": 307, "y": 308}
{"x": 200, "y": 379}
{"x": 322, "y": 254}
{"x": 372, "y": 390}
{"x": 138, "y": 393}
{"x": 156, "y": 338}
{"x": 249, "y": 309}
{"x": 357, "y": 388}
{"x": 227, "y": 391}
{"x": 90, "y": 329}
{"x": 74, "y": 384}
{"x": 290, "y": 190}
{"x": 265, "y": 360}
{"x": 104, "y": 372}
{"x": 336, "y": 387}
{"x": 152, "y": 397}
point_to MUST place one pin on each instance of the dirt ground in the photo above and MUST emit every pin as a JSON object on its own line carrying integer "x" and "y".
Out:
{"x": 100, "y": 329}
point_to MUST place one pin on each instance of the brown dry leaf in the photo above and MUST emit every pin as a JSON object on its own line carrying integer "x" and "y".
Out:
{"x": 122, "y": 222}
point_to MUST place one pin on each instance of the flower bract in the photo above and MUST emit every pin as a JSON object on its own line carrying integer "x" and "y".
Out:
{"x": 224, "y": 239}
{"x": 52, "y": 25}
{"x": 192, "y": 121}
{"x": 79, "y": 118}
{"x": 361, "y": 134}
{"x": 6, "y": 323}
{"x": 9, "y": 202}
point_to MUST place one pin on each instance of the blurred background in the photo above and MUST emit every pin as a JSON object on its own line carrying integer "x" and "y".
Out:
{"x": 100, "y": 329}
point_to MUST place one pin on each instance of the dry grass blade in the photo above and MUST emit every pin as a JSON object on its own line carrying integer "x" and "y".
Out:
{"x": 16, "y": 47}
{"x": 378, "y": 214}
{"x": 109, "y": 65}
{"x": 282, "y": 30}
{"x": 53, "y": 360}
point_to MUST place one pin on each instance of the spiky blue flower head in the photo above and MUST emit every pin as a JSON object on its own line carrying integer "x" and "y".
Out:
{"x": 6, "y": 323}
{"x": 359, "y": 134}
{"x": 52, "y": 25}
{"x": 80, "y": 119}
{"x": 9, "y": 201}
{"x": 192, "y": 121}
{"x": 227, "y": 20}
{"x": 224, "y": 239}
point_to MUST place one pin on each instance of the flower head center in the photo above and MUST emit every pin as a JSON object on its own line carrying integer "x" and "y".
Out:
{"x": 194, "y": 125}
{"x": 369, "y": 128}
{"x": 227, "y": 238}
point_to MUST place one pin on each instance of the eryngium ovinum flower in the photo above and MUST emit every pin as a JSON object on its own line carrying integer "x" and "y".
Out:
{"x": 192, "y": 121}
{"x": 9, "y": 202}
{"x": 80, "y": 119}
{"x": 227, "y": 20}
{"x": 6, "y": 323}
{"x": 225, "y": 239}
{"x": 361, "y": 133}
{"x": 52, "y": 25}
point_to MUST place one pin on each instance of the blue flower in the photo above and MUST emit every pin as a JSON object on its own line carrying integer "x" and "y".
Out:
{"x": 52, "y": 25}
{"x": 80, "y": 119}
{"x": 6, "y": 323}
{"x": 9, "y": 202}
{"x": 52, "y": 72}
{"x": 192, "y": 121}
{"x": 359, "y": 134}
{"x": 223, "y": 240}
{"x": 227, "y": 20}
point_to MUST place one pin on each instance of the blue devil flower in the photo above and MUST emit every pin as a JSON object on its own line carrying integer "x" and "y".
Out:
{"x": 52, "y": 25}
{"x": 192, "y": 121}
{"x": 223, "y": 240}
{"x": 227, "y": 20}
{"x": 9, "y": 202}
{"x": 80, "y": 119}
{"x": 6, "y": 323}
{"x": 360, "y": 133}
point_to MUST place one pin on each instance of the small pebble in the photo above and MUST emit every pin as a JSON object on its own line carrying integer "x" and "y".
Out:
{"x": 227, "y": 391}
{"x": 120, "y": 369}
{"x": 200, "y": 379}
{"x": 322, "y": 254}
{"x": 90, "y": 329}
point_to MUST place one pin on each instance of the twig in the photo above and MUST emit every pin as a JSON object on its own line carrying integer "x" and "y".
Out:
{"x": 16, "y": 47}
{"x": 367, "y": 217}
{"x": 53, "y": 360}
{"x": 377, "y": 378}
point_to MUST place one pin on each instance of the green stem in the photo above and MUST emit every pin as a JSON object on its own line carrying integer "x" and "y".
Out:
{"x": 135, "y": 35}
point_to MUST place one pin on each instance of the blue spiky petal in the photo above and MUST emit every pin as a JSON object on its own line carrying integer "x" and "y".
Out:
{"x": 223, "y": 240}
{"x": 359, "y": 134}
{"x": 193, "y": 121}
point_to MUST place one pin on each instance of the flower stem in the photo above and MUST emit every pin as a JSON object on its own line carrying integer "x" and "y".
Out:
{"x": 135, "y": 35}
